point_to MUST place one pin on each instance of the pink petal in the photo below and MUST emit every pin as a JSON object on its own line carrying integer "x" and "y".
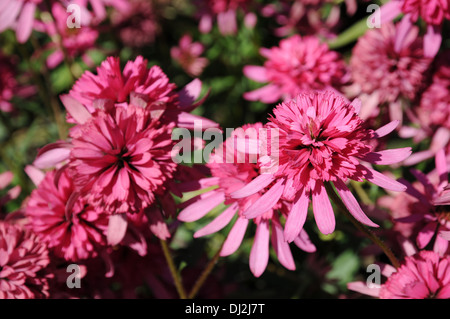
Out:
{"x": 9, "y": 14}
{"x": 304, "y": 243}
{"x": 76, "y": 109}
{"x": 390, "y": 11}
{"x": 425, "y": 234}
{"x": 51, "y": 155}
{"x": 383, "y": 181}
{"x": 259, "y": 255}
{"x": 432, "y": 41}
{"x": 352, "y": 204}
{"x": 226, "y": 21}
{"x": 441, "y": 167}
{"x": 234, "y": 238}
{"x": 362, "y": 288}
{"x": 259, "y": 183}
{"x": 187, "y": 120}
{"x": 190, "y": 93}
{"x": 418, "y": 157}
{"x": 266, "y": 201}
{"x": 266, "y": 94}
{"x": 440, "y": 245}
{"x": 404, "y": 27}
{"x": 5, "y": 179}
{"x": 256, "y": 73}
{"x": 281, "y": 247}
{"x": 205, "y": 24}
{"x": 157, "y": 224}
{"x": 218, "y": 223}
{"x": 25, "y": 22}
{"x": 445, "y": 234}
{"x": 54, "y": 59}
{"x": 296, "y": 217}
{"x": 35, "y": 174}
{"x": 201, "y": 208}
{"x": 323, "y": 211}
{"x": 117, "y": 227}
{"x": 386, "y": 129}
{"x": 387, "y": 157}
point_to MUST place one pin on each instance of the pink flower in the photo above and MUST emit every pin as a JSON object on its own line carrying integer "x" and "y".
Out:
{"x": 149, "y": 84}
{"x": 138, "y": 26}
{"x": 187, "y": 54}
{"x": 433, "y": 12}
{"x": 23, "y": 259}
{"x": 71, "y": 228}
{"x": 231, "y": 169}
{"x": 432, "y": 221}
{"x": 425, "y": 275}
{"x": 18, "y": 15}
{"x": 121, "y": 157}
{"x": 298, "y": 65}
{"x": 71, "y": 41}
{"x": 224, "y": 11}
{"x": 321, "y": 140}
{"x": 388, "y": 65}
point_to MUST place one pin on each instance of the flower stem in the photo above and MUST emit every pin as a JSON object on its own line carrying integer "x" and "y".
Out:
{"x": 175, "y": 274}
{"x": 371, "y": 235}
{"x": 204, "y": 275}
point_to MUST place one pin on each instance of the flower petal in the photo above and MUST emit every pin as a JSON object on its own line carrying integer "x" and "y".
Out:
{"x": 266, "y": 201}
{"x": 259, "y": 255}
{"x": 234, "y": 238}
{"x": 296, "y": 217}
{"x": 323, "y": 211}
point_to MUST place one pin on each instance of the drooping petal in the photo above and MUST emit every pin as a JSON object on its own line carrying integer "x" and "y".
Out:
{"x": 297, "y": 217}
{"x": 281, "y": 247}
{"x": 266, "y": 201}
{"x": 352, "y": 204}
{"x": 117, "y": 228}
{"x": 234, "y": 238}
{"x": 218, "y": 223}
{"x": 25, "y": 22}
{"x": 323, "y": 211}
{"x": 201, "y": 208}
{"x": 387, "y": 157}
{"x": 254, "y": 186}
{"x": 432, "y": 41}
{"x": 383, "y": 181}
{"x": 259, "y": 254}
{"x": 304, "y": 243}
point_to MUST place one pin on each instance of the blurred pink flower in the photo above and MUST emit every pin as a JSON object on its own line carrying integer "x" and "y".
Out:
{"x": 433, "y": 12}
{"x": 432, "y": 221}
{"x": 23, "y": 259}
{"x": 388, "y": 66}
{"x": 424, "y": 275}
{"x": 232, "y": 169}
{"x": 321, "y": 140}
{"x": 71, "y": 41}
{"x": 19, "y": 16}
{"x": 187, "y": 54}
{"x": 138, "y": 25}
{"x": 71, "y": 228}
{"x": 299, "y": 64}
{"x": 225, "y": 11}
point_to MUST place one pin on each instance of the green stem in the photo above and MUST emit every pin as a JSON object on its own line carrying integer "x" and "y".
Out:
{"x": 371, "y": 235}
{"x": 361, "y": 193}
{"x": 175, "y": 275}
{"x": 204, "y": 275}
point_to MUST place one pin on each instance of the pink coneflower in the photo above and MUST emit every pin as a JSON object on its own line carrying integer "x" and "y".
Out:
{"x": 23, "y": 259}
{"x": 70, "y": 41}
{"x": 431, "y": 118}
{"x": 121, "y": 157}
{"x": 18, "y": 15}
{"x": 321, "y": 140}
{"x": 432, "y": 221}
{"x": 71, "y": 228}
{"x": 224, "y": 11}
{"x": 150, "y": 84}
{"x": 388, "y": 65}
{"x": 424, "y": 275}
{"x": 187, "y": 54}
{"x": 299, "y": 64}
{"x": 138, "y": 26}
{"x": 231, "y": 169}
{"x": 433, "y": 12}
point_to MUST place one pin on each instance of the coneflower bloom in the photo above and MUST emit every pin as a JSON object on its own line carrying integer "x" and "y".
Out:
{"x": 388, "y": 66}
{"x": 321, "y": 140}
{"x": 231, "y": 169}
{"x": 72, "y": 229}
{"x": 187, "y": 54}
{"x": 427, "y": 209}
{"x": 150, "y": 84}
{"x": 433, "y": 12}
{"x": 424, "y": 275}
{"x": 297, "y": 65}
{"x": 120, "y": 157}
{"x": 23, "y": 259}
